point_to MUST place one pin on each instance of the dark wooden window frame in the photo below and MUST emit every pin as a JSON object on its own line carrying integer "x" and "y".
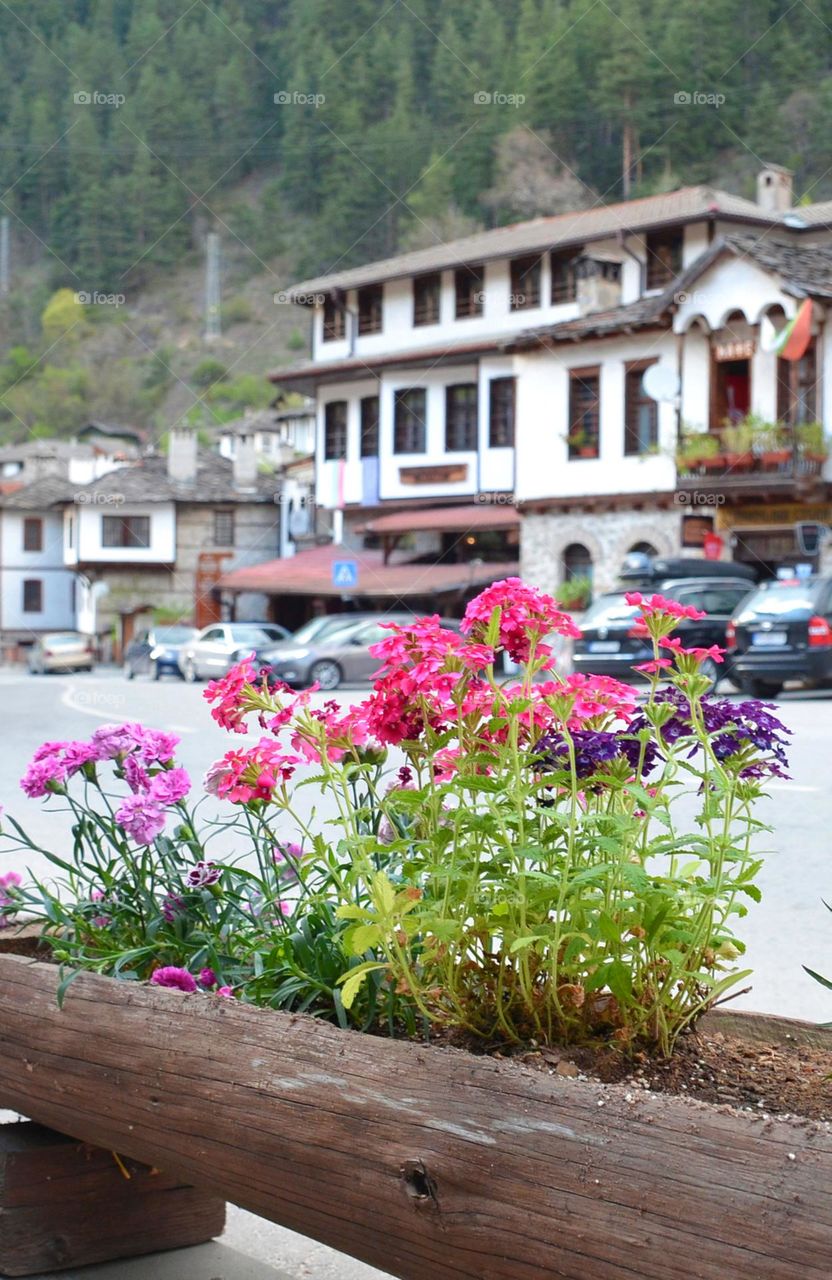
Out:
{"x": 664, "y": 257}
{"x": 585, "y": 413}
{"x": 32, "y": 595}
{"x": 335, "y": 430}
{"x": 564, "y": 287}
{"x": 127, "y": 532}
{"x": 370, "y": 307}
{"x": 634, "y": 398}
{"x": 461, "y": 417}
{"x": 334, "y": 319}
{"x": 526, "y": 274}
{"x": 224, "y": 521}
{"x": 797, "y": 386}
{"x": 502, "y": 405}
{"x": 409, "y": 413}
{"x": 469, "y": 290}
{"x": 427, "y": 298}
{"x": 33, "y": 533}
{"x": 370, "y": 410}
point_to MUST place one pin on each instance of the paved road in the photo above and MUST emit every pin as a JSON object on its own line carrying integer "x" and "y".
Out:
{"x": 789, "y": 929}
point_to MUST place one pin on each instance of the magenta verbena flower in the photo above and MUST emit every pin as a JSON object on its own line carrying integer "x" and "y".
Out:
{"x": 171, "y": 976}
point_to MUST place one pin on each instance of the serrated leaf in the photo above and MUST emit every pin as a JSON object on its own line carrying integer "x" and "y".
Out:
{"x": 351, "y": 982}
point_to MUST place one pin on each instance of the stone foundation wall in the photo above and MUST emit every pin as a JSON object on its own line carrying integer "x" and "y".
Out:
{"x": 607, "y": 536}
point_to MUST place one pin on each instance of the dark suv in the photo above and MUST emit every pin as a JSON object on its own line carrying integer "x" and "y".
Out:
{"x": 610, "y": 643}
{"x": 783, "y": 631}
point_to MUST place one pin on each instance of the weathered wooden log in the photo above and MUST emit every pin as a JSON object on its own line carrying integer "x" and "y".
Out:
{"x": 422, "y": 1161}
{"x": 66, "y": 1204}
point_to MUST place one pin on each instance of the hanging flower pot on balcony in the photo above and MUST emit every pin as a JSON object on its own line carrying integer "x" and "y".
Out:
{"x": 739, "y": 461}
{"x": 523, "y": 883}
{"x": 716, "y": 462}
{"x": 772, "y": 459}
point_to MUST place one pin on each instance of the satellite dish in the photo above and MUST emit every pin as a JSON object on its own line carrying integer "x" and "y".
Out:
{"x": 660, "y": 382}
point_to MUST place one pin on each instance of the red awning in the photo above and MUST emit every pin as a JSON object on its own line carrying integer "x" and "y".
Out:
{"x": 471, "y": 518}
{"x": 309, "y": 573}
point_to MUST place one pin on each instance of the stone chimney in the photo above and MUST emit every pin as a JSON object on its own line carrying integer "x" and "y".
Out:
{"x": 182, "y": 454}
{"x": 45, "y": 463}
{"x": 774, "y": 189}
{"x": 598, "y": 283}
{"x": 245, "y": 460}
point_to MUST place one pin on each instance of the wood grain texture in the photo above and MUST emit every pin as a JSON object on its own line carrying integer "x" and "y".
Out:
{"x": 65, "y": 1204}
{"x": 421, "y": 1161}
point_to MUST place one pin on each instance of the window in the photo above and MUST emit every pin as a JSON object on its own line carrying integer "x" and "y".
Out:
{"x": 33, "y": 534}
{"x": 525, "y": 284}
{"x": 501, "y": 413}
{"x": 32, "y": 595}
{"x": 797, "y": 388}
{"x": 223, "y": 528}
{"x": 664, "y": 257}
{"x": 426, "y": 294}
{"x": 577, "y": 562}
{"x": 469, "y": 287}
{"x": 369, "y": 309}
{"x": 409, "y": 421}
{"x": 564, "y": 277}
{"x": 334, "y": 319}
{"x": 369, "y": 427}
{"x": 461, "y": 417}
{"x": 584, "y": 413}
{"x": 335, "y": 430}
{"x": 641, "y": 413}
{"x": 125, "y": 531}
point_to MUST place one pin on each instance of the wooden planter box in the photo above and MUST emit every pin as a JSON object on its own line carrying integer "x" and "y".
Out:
{"x": 425, "y": 1162}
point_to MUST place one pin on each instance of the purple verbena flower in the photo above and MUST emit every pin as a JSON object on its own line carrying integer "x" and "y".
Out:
{"x": 203, "y": 875}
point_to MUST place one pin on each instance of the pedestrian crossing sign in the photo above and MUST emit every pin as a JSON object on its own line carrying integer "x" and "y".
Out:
{"x": 345, "y": 573}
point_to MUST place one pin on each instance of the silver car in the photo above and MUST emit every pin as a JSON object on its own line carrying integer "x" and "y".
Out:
{"x": 335, "y": 656}
{"x": 61, "y": 651}
{"x": 215, "y": 649}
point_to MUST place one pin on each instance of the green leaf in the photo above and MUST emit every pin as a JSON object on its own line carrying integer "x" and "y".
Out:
{"x": 824, "y": 982}
{"x": 351, "y": 982}
{"x": 363, "y": 936}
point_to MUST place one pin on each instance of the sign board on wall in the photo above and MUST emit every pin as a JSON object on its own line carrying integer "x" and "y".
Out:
{"x": 768, "y": 514}
{"x": 452, "y": 474}
{"x": 739, "y": 350}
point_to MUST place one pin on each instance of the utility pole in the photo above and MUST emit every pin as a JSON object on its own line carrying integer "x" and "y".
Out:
{"x": 213, "y": 327}
{"x": 4, "y": 255}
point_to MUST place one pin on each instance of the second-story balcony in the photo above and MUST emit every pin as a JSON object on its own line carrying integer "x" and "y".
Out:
{"x": 753, "y": 457}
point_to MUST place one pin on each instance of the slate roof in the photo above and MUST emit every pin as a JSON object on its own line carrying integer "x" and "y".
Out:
{"x": 146, "y": 481}
{"x": 561, "y": 229}
{"x": 807, "y": 269}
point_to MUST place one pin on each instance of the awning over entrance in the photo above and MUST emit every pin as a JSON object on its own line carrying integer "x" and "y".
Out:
{"x": 470, "y": 518}
{"x": 311, "y": 573}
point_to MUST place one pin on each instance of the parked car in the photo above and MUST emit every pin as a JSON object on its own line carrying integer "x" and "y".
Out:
{"x": 61, "y": 651}
{"x": 215, "y": 649}
{"x": 610, "y": 644}
{"x": 156, "y": 651}
{"x": 783, "y": 631}
{"x": 336, "y": 656}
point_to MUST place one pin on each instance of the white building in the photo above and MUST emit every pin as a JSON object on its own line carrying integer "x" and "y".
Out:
{"x": 507, "y": 368}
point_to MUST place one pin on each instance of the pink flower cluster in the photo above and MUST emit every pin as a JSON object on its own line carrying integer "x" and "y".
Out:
{"x": 142, "y": 757}
{"x": 526, "y": 615}
{"x": 181, "y": 980}
{"x": 661, "y": 605}
{"x": 243, "y": 776}
{"x": 11, "y": 880}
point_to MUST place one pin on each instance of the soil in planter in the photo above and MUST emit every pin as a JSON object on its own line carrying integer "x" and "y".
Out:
{"x": 782, "y": 1078}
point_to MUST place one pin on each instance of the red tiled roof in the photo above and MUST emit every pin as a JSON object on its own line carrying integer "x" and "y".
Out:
{"x": 310, "y": 573}
{"x": 473, "y": 516}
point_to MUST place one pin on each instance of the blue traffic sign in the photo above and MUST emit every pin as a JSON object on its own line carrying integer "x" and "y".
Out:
{"x": 345, "y": 573}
